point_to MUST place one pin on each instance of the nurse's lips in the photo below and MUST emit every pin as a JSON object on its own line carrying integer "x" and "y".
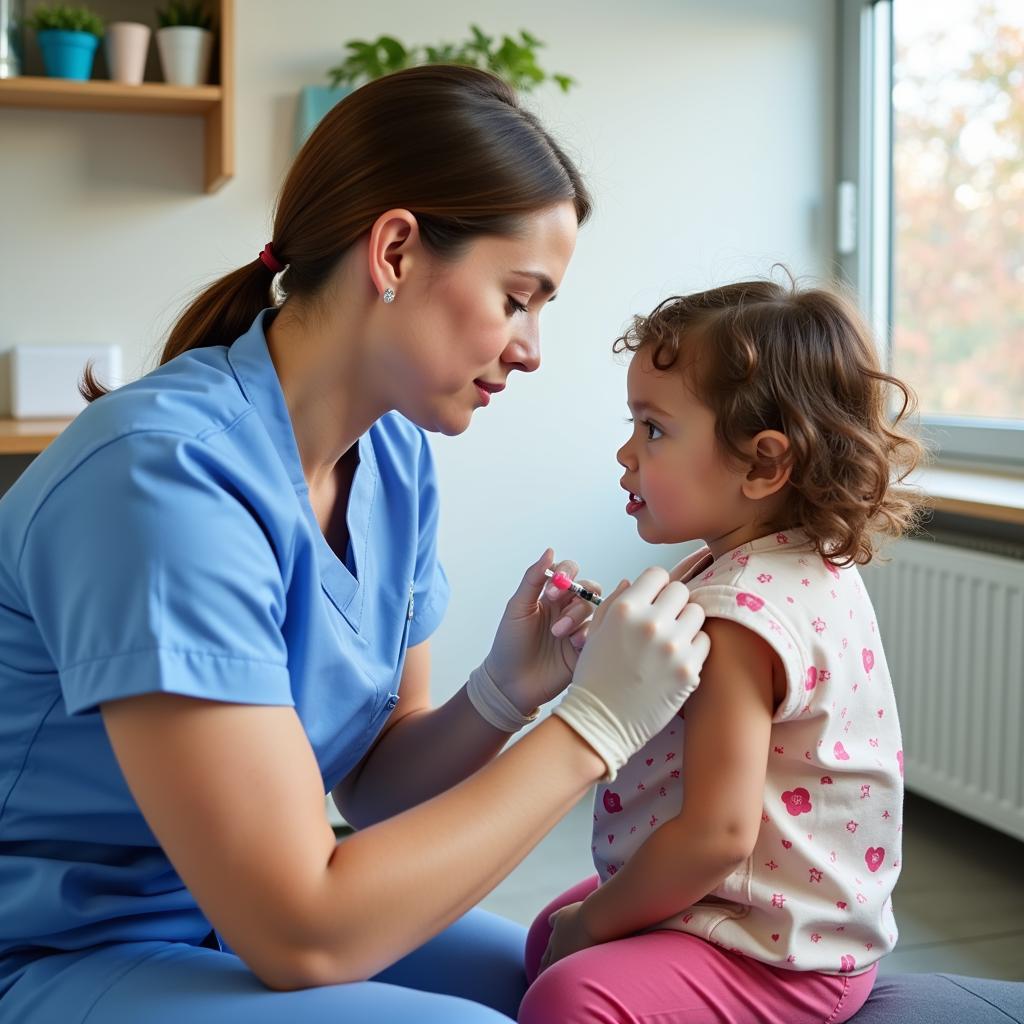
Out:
{"x": 485, "y": 390}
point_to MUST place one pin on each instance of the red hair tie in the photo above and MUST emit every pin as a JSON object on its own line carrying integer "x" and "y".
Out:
{"x": 270, "y": 261}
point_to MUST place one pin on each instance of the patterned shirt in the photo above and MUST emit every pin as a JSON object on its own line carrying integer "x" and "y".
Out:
{"x": 815, "y": 894}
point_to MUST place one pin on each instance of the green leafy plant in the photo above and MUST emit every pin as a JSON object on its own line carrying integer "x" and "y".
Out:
{"x": 67, "y": 19}
{"x": 513, "y": 59}
{"x": 180, "y": 13}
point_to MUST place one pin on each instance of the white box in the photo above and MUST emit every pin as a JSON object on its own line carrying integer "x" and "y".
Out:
{"x": 44, "y": 378}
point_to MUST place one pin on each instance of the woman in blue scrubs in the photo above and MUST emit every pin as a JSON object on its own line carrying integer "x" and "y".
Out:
{"x": 216, "y": 593}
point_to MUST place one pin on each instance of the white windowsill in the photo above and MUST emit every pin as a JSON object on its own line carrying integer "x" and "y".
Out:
{"x": 981, "y": 493}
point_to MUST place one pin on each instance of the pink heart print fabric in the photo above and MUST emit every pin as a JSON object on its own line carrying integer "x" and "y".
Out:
{"x": 816, "y": 893}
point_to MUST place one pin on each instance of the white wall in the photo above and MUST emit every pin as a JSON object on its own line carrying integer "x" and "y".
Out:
{"x": 706, "y": 132}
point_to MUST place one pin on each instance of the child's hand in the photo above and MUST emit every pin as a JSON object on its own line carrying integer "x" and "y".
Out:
{"x": 568, "y": 935}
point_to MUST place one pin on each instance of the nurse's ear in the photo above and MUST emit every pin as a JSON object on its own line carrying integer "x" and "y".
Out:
{"x": 393, "y": 251}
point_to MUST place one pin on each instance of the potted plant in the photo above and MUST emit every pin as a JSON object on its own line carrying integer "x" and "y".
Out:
{"x": 185, "y": 42}
{"x": 68, "y": 37}
{"x": 127, "y": 43}
{"x": 513, "y": 59}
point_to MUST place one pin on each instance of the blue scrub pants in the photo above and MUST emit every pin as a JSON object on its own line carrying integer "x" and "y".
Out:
{"x": 472, "y": 973}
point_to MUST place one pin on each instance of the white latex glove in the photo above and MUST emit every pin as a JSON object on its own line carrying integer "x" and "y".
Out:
{"x": 692, "y": 564}
{"x": 642, "y": 659}
{"x": 529, "y": 661}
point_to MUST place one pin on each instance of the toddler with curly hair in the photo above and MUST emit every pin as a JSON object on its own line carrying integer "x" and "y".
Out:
{"x": 746, "y": 856}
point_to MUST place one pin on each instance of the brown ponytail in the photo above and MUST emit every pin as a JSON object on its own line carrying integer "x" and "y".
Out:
{"x": 451, "y": 144}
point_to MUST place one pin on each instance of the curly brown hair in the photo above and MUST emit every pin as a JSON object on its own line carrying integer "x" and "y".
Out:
{"x": 764, "y": 356}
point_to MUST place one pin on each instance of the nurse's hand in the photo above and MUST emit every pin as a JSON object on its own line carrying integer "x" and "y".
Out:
{"x": 682, "y": 571}
{"x": 527, "y": 661}
{"x": 642, "y": 660}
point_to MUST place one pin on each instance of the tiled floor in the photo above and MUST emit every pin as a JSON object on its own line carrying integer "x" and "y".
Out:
{"x": 959, "y": 902}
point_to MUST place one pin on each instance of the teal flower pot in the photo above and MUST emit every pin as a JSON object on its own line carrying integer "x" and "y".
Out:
{"x": 68, "y": 54}
{"x": 314, "y": 102}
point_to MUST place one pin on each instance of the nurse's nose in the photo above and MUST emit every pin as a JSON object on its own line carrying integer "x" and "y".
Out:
{"x": 523, "y": 352}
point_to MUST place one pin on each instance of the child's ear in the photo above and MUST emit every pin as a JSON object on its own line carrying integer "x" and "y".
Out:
{"x": 770, "y": 465}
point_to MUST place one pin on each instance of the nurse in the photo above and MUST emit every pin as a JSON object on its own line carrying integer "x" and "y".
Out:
{"x": 216, "y": 593}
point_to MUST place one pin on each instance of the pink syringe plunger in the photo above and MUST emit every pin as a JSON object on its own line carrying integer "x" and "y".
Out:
{"x": 565, "y": 582}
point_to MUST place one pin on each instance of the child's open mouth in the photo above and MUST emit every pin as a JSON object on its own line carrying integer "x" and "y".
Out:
{"x": 634, "y": 504}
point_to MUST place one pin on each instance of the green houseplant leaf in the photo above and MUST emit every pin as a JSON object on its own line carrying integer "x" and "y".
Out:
{"x": 367, "y": 60}
{"x": 514, "y": 60}
{"x": 181, "y": 13}
{"x": 67, "y": 19}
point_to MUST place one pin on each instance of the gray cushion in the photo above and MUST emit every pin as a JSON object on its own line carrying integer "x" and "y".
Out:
{"x": 942, "y": 999}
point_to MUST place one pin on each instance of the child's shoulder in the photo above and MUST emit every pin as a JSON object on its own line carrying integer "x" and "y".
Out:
{"x": 781, "y": 573}
{"x": 784, "y": 557}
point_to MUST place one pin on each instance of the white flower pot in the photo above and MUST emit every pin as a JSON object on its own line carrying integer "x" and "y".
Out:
{"x": 127, "y": 44}
{"x": 185, "y": 54}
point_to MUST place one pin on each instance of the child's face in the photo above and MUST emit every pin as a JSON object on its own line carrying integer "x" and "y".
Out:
{"x": 687, "y": 489}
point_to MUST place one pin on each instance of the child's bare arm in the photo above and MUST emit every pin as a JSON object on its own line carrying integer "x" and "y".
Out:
{"x": 728, "y": 725}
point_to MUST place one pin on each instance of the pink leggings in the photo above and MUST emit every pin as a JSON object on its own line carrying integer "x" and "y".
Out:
{"x": 669, "y": 977}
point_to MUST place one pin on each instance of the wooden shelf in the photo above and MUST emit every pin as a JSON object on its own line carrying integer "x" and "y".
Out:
{"x": 148, "y": 98}
{"x": 28, "y": 437}
{"x": 214, "y": 103}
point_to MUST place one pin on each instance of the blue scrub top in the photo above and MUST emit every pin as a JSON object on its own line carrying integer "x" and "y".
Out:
{"x": 165, "y": 542}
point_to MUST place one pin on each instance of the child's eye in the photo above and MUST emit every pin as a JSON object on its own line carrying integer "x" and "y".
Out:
{"x": 651, "y": 428}
{"x": 515, "y": 307}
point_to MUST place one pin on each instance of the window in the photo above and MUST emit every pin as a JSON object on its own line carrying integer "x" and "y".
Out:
{"x": 938, "y": 158}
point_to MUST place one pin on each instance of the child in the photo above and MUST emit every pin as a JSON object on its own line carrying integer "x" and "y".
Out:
{"x": 747, "y": 855}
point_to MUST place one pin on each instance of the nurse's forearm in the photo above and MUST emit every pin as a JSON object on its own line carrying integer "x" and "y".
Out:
{"x": 297, "y": 906}
{"x": 423, "y": 754}
{"x": 389, "y": 888}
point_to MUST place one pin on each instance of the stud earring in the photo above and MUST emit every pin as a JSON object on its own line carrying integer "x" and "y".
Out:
{"x": 388, "y": 296}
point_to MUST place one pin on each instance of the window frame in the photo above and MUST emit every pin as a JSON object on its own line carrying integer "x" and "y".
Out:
{"x": 865, "y": 135}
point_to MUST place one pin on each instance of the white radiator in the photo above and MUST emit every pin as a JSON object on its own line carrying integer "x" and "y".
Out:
{"x": 952, "y": 624}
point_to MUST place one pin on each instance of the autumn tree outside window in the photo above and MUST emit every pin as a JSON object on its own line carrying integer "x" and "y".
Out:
{"x": 940, "y": 114}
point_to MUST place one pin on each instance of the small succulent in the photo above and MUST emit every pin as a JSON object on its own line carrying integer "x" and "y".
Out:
{"x": 67, "y": 19}
{"x": 180, "y": 13}
{"x": 513, "y": 59}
